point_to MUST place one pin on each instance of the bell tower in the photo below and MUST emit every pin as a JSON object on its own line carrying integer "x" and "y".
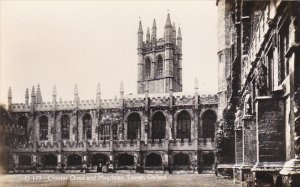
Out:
{"x": 159, "y": 59}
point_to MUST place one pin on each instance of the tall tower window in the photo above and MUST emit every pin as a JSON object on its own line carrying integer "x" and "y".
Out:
{"x": 148, "y": 67}
{"x": 65, "y": 126}
{"x": 158, "y": 126}
{"x": 43, "y": 128}
{"x": 160, "y": 66}
{"x": 209, "y": 120}
{"x": 87, "y": 126}
{"x": 134, "y": 123}
{"x": 183, "y": 125}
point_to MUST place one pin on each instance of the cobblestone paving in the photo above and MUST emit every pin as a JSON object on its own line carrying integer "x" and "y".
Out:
{"x": 113, "y": 179}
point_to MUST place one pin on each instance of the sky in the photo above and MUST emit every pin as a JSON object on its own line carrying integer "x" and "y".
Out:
{"x": 70, "y": 42}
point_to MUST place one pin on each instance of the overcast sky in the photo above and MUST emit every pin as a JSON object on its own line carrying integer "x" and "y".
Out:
{"x": 86, "y": 42}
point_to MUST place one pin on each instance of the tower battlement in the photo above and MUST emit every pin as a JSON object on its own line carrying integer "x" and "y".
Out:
{"x": 159, "y": 60}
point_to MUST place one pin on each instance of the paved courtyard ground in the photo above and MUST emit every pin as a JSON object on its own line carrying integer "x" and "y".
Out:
{"x": 113, "y": 179}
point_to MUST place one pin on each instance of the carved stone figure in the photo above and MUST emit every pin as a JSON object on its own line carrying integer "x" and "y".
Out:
{"x": 248, "y": 104}
{"x": 261, "y": 79}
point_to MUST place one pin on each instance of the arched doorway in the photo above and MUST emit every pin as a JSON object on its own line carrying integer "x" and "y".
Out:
{"x": 181, "y": 160}
{"x": 183, "y": 126}
{"x": 208, "y": 160}
{"x": 24, "y": 160}
{"x": 74, "y": 160}
{"x": 209, "y": 119}
{"x": 49, "y": 160}
{"x": 125, "y": 160}
{"x": 134, "y": 125}
{"x": 158, "y": 126}
{"x": 99, "y": 158}
{"x": 153, "y": 160}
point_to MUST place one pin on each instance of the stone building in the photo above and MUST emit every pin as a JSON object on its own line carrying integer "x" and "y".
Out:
{"x": 160, "y": 128}
{"x": 10, "y": 133}
{"x": 258, "y": 132}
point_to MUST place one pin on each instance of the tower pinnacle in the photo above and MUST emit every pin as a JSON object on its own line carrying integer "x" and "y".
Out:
{"x": 121, "y": 88}
{"x": 179, "y": 34}
{"x": 140, "y": 30}
{"x": 168, "y": 22}
{"x": 54, "y": 91}
{"x": 153, "y": 34}
{"x": 9, "y": 93}
{"x": 148, "y": 35}
{"x": 26, "y": 96}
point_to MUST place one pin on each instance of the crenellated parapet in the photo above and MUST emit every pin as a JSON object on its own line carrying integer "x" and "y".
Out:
{"x": 156, "y": 145}
{"x": 20, "y": 107}
{"x": 134, "y": 102}
{"x": 184, "y": 100}
{"x": 159, "y": 101}
{"x": 48, "y": 146}
{"x": 28, "y": 147}
{"x": 209, "y": 99}
{"x": 178, "y": 145}
{"x": 13, "y": 129}
{"x": 73, "y": 146}
{"x": 110, "y": 103}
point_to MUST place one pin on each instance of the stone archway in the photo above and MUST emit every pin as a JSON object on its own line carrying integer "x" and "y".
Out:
{"x": 99, "y": 158}
{"x": 125, "y": 160}
{"x": 49, "y": 160}
{"x": 181, "y": 161}
{"x": 208, "y": 160}
{"x": 24, "y": 160}
{"x": 74, "y": 160}
{"x": 153, "y": 160}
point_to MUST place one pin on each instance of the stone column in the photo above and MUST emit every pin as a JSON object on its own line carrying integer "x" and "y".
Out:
{"x": 16, "y": 160}
{"x": 58, "y": 167}
{"x": 291, "y": 169}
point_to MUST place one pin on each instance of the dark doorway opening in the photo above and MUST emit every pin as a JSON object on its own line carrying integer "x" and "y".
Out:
{"x": 99, "y": 158}
{"x": 153, "y": 160}
{"x": 181, "y": 160}
{"x": 125, "y": 160}
{"x": 24, "y": 160}
{"x": 74, "y": 160}
{"x": 49, "y": 160}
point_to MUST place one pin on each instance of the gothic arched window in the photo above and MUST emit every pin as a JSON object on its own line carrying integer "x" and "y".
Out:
{"x": 158, "y": 126}
{"x": 148, "y": 67}
{"x": 65, "y": 127}
{"x": 160, "y": 66}
{"x": 87, "y": 126}
{"x": 43, "y": 128}
{"x": 22, "y": 121}
{"x": 184, "y": 125}
{"x": 134, "y": 123}
{"x": 209, "y": 120}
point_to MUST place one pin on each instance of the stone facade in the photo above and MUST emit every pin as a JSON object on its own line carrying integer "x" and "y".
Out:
{"x": 261, "y": 92}
{"x": 150, "y": 131}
